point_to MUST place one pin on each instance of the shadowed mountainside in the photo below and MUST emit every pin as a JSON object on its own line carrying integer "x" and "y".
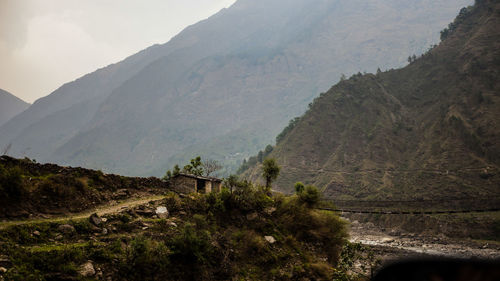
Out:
{"x": 243, "y": 72}
{"x": 427, "y": 131}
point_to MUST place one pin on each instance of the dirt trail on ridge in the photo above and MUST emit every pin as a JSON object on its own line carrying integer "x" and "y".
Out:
{"x": 106, "y": 209}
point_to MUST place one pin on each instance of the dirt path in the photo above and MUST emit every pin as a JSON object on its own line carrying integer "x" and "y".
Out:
{"x": 101, "y": 210}
{"x": 434, "y": 246}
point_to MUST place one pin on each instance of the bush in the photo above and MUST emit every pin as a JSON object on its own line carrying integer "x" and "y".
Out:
{"x": 310, "y": 195}
{"x": 145, "y": 260}
{"x": 314, "y": 226}
{"x": 192, "y": 246}
{"x": 299, "y": 187}
{"x": 11, "y": 184}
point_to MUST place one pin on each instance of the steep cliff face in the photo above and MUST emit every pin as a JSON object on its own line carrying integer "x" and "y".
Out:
{"x": 243, "y": 72}
{"x": 428, "y": 130}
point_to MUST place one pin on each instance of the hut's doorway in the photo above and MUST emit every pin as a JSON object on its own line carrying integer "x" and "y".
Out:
{"x": 200, "y": 186}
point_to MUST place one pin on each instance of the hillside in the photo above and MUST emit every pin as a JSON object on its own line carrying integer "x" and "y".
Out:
{"x": 10, "y": 106}
{"x": 241, "y": 73}
{"x": 83, "y": 228}
{"x": 429, "y": 130}
{"x": 29, "y": 189}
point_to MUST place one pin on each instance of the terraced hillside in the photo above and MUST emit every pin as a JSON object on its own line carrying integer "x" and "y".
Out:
{"x": 427, "y": 131}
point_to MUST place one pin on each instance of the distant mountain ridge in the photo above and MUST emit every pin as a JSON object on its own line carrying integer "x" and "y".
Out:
{"x": 427, "y": 131}
{"x": 10, "y": 106}
{"x": 223, "y": 87}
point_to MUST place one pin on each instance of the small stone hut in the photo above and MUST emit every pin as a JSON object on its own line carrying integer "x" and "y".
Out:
{"x": 190, "y": 183}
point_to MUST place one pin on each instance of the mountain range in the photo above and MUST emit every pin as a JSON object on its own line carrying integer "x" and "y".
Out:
{"x": 10, "y": 106}
{"x": 428, "y": 131}
{"x": 223, "y": 87}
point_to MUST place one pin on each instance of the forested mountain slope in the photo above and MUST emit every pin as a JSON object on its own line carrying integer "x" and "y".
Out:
{"x": 427, "y": 131}
{"x": 243, "y": 72}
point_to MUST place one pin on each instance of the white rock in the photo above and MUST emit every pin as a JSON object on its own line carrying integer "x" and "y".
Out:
{"x": 270, "y": 239}
{"x": 387, "y": 240}
{"x": 161, "y": 212}
{"x": 87, "y": 269}
{"x": 3, "y": 270}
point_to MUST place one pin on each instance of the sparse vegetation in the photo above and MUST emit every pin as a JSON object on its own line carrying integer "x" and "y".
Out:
{"x": 244, "y": 234}
{"x": 290, "y": 126}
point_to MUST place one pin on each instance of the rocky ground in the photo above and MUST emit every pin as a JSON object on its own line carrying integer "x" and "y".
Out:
{"x": 394, "y": 245}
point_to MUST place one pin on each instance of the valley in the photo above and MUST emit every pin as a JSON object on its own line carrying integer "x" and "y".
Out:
{"x": 143, "y": 170}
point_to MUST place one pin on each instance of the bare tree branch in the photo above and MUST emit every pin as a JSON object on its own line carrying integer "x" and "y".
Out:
{"x": 210, "y": 166}
{"x": 6, "y": 149}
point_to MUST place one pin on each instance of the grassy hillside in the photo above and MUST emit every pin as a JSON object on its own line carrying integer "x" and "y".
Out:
{"x": 246, "y": 234}
{"x": 426, "y": 131}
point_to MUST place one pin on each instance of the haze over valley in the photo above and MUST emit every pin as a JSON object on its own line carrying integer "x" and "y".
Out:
{"x": 274, "y": 140}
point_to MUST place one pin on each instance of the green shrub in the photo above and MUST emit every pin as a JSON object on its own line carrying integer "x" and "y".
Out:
{"x": 192, "y": 246}
{"x": 11, "y": 184}
{"x": 310, "y": 195}
{"x": 314, "y": 226}
{"x": 145, "y": 260}
{"x": 299, "y": 187}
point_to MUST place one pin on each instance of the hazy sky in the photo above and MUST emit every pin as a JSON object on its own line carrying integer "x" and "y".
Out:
{"x": 46, "y": 43}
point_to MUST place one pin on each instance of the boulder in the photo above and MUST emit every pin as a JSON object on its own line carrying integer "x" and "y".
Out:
{"x": 66, "y": 229}
{"x": 387, "y": 240}
{"x": 270, "y": 239}
{"x": 36, "y": 233}
{"x": 161, "y": 212}
{"x": 87, "y": 269}
{"x": 3, "y": 270}
{"x": 270, "y": 210}
{"x": 95, "y": 219}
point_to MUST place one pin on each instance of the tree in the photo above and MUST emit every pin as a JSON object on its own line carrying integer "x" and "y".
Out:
{"x": 260, "y": 156}
{"x": 268, "y": 150}
{"x": 195, "y": 168}
{"x": 310, "y": 195}
{"x": 270, "y": 171}
{"x": 175, "y": 172}
{"x": 211, "y": 166}
{"x": 231, "y": 182}
{"x": 299, "y": 187}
